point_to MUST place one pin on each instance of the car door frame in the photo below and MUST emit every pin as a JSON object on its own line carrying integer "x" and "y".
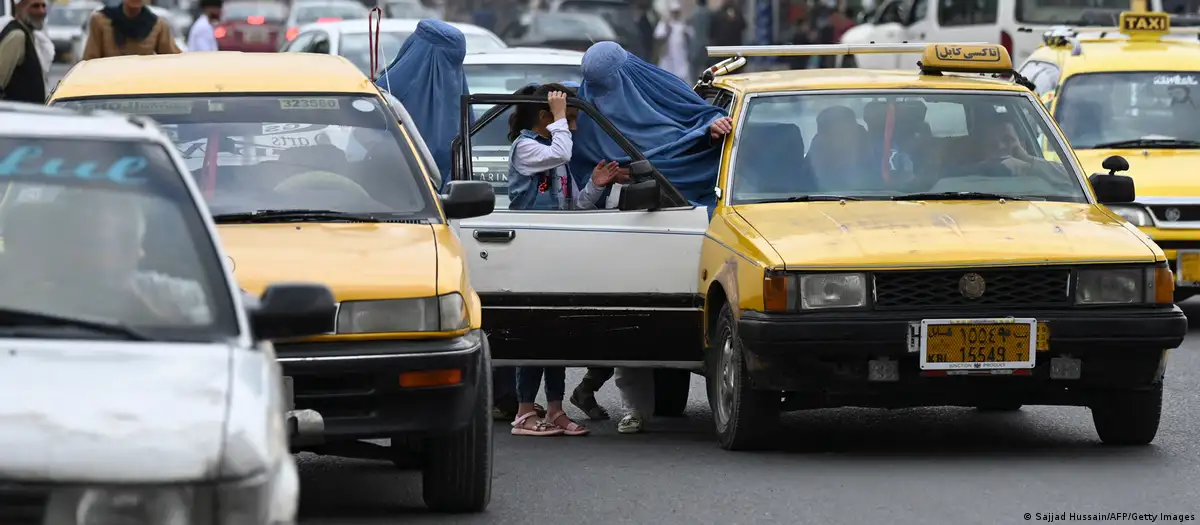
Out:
{"x": 640, "y": 330}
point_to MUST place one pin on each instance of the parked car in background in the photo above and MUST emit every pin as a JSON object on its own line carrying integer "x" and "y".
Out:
{"x": 65, "y": 23}
{"x": 412, "y": 9}
{"x": 306, "y": 12}
{"x": 174, "y": 19}
{"x": 350, "y": 39}
{"x": 252, "y": 26}
{"x": 618, "y": 13}
{"x": 572, "y": 31}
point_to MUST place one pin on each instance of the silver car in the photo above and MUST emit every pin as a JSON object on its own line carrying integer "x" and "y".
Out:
{"x": 140, "y": 385}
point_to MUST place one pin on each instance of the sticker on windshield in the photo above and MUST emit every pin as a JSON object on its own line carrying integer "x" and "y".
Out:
{"x": 142, "y": 107}
{"x": 1175, "y": 80}
{"x": 28, "y": 161}
{"x": 308, "y": 103}
{"x": 363, "y": 105}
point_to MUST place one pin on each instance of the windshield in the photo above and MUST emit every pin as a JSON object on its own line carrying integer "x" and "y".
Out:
{"x": 1055, "y": 12}
{"x": 317, "y": 152}
{"x": 880, "y": 146}
{"x": 61, "y": 15}
{"x": 242, "y": 10}
{"x": 573, "y": 26}
{"x": 356, "y": 46}
{"x": 506, "y": 78}
{"x": 309, "y": 13}
{"x": 107, "y": 231}
{"x": 1102, "y": 108}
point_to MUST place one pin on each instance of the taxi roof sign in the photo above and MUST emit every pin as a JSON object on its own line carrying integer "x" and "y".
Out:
{"x": 1145, "y": 24}
{"x": 966, "y": 58}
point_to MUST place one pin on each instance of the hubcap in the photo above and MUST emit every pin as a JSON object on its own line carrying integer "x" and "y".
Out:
{"x": 727, "y": 386}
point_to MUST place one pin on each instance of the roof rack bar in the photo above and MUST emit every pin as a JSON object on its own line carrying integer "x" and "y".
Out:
{"x": 824, "y": 49}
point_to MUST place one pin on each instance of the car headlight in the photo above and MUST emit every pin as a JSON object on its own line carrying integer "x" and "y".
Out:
{"x": 426, "y": 314}
{"x": 1136, "y": 215}
{"x": 833, "y": 290}
{"x": 122, "y": 506}
{"x": 1123, "y": 286}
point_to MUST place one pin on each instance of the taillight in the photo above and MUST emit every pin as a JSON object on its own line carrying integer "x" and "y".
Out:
{"x": 1006, "y": 41}
{"x": 219, "y": 32}
{"x": 292, "y": 32}
{"x": 255, "y": 20}
{"x": 324, "y": 20}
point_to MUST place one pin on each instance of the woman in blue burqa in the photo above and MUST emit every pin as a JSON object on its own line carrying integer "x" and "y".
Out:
{"x": 427, "y": 77}
{"x": 662, "y": 116}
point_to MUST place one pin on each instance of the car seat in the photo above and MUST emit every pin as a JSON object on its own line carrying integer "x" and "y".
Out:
{"x": 820, "y": 149}
{"x": 774, "y": 163}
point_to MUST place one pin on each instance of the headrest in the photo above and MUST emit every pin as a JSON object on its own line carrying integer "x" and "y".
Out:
{"x": 835, "y": 115}
{"x": 875, "y": 114}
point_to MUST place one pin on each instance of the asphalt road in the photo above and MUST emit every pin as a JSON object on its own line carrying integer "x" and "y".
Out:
{"x": 844, "y": 466}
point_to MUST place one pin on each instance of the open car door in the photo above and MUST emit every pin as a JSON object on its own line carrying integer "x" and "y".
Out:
{"x": 604, "y": 287}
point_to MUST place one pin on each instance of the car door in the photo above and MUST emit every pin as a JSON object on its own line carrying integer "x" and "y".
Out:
{"x": 606, "y": 287}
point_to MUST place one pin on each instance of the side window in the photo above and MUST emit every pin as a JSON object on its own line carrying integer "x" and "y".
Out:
{"x": 1047, "y": 81}
{"x": 889, "y": 13}
{"x": 946, "y": 119}
{"x": 300, "y": 44}
{"x": 920, "y": 9}
{"x": 967, "y": 12}
{"x": 320, "y": 44}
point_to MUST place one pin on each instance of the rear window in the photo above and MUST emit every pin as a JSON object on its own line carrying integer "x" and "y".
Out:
{"x": 573, "y": 26}
{"x": 297, "y": 152}
{"x": 1052, "y": 12}
{"x": 308, "y": 14}
{"x": 241, "y": 10}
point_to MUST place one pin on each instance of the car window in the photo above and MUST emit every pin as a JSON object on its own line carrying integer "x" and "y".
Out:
{"x": 572, "y": 26}
{"x": 319, "y": 44}
{"x": 1046, "y": 80}
{"x": 1070, "y": 12}
{"x": 506, "y": 78}
{"x": 307, "y": 14}
{"x": 64, "y": 15}
{"x": 301, "y": 43}
{"x": 107, "y": 231}
{"x": 356, "y": 46}
{"x": 882, "y": 146}
{"x": 343, "y": 153}
{"x": 967, "y": 12}
{"x": 1102, "y": 108}
{"x": 889, "y": 13}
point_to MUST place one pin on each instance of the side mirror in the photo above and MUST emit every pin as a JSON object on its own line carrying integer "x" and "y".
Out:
{"x": 639, "y": 169}
{"x": 463, "y": 199}
{"x": 293, "y": 310}
{"x": 638, "y": 195}
{"x": 1114, "y": 164}
{"x": 1113, "y": 189}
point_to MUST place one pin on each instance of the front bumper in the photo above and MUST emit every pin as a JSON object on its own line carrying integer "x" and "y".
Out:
{"x": 355, "y": 386}
{"x": 831, "y": 353}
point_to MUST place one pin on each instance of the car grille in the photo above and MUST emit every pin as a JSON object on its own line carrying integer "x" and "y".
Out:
{"x": 335, "y": 395}
{"x": 1025, "y": 287}
{"x": 22, "y": 504}
{"x": 1186, "y": 212}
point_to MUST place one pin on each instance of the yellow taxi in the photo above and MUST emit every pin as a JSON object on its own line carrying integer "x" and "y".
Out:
{"x": 1127, "y": 91}
{"x": 902, "y": 238}
{"x": 313, "y": 175}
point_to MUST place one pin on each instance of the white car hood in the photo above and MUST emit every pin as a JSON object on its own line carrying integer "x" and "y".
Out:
{"x": 859, "y": 34}
{"x": 88, "y": 411}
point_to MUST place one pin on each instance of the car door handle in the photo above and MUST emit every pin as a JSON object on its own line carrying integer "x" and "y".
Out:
{"x": 500, "y": 236}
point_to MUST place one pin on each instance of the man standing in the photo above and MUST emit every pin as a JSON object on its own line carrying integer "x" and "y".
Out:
{"x": 728, "y": 26}
{"x": 22, "y": 78}
{"x": 675, "y": 37}
{"x": 200, "y": 37}
{"x": 701, "y": 22}
{"x": 128, "y": 28}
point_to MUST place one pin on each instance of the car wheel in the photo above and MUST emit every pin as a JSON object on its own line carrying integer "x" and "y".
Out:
{"x": 1127, "y": 417}
{"x": 999, "y": 407}
{"x": 671, "y": 389}
{"x": 745, "y": 418}
{"x": 457, "y": 475}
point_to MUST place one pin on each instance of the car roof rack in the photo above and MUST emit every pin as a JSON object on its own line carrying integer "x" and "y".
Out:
{"x": 1130, "y": 26}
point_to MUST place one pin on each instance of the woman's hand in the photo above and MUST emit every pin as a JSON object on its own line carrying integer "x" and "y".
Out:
{"x": 558, "y": 104}
{"x": 606, "y": 172}
{"x": 720, "y": 127}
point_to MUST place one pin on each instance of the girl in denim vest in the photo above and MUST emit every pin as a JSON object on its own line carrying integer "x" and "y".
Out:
{"x": 539, "y": 179}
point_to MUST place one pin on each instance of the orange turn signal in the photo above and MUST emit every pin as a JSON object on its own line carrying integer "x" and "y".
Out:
{"x": 1164, "y": 285}
{"x": 426, "y": 378}
{"x": 775, "y": 292}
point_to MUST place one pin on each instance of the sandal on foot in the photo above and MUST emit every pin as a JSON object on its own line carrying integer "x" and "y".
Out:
{"x": 587, "y": 403}
{"x": 541, "y": 410}
{"x": 630, "y": 424}
{"x": 569, "y": 427}
{"x": 527, "y": 426}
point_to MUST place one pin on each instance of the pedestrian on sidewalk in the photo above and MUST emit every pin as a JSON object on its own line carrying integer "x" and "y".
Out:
{"x": 201, "y": 36}
{"x": 128, "y": 28}
{"x": 22, "y": 76}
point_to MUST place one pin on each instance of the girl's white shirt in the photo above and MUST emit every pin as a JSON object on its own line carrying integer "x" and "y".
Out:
{"x": 531, "y": 157}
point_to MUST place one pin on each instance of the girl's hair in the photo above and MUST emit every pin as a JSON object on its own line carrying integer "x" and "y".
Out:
{"x": 525, "y": 116}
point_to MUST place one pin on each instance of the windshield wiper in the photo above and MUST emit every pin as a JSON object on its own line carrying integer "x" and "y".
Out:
{"x": 297, "y": 215}
{"x": 816, "y": 198}
{"x": 1149, "y": 143}
{"x": 10, "y": 318}
{"x": 956, "y": 196}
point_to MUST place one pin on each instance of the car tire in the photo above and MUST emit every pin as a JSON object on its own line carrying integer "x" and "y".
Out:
{"x": 998, "y": 407}
{"x": 671, "y": 389}
{"x": 745, "y": 418}
{"x": 1127, "y": 417}
{"x": 457, "y": 475}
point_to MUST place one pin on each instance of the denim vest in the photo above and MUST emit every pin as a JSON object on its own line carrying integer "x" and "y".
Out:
{"x": 541, "y": 191}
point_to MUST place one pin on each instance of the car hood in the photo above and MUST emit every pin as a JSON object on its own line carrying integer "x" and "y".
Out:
{"x": 1155, "y": 172}
{"x": 358, "y": 261}
{"x": 112, "y": 412}
{"x": 859, "y": 34}
{"x": 879, "y": 234}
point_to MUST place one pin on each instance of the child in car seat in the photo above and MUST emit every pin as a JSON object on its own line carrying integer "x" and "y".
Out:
{"x": 539, "y": 179}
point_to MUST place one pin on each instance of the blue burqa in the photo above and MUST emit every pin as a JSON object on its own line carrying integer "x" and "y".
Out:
{"x": 427, "y": 77}
{"x": 660, "y": 114}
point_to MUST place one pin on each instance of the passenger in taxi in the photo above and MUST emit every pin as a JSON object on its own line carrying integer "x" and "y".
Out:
{"x": 835, "y": 157}
{"x": 1003, "y": 149}
{"x": 427, "y": 77}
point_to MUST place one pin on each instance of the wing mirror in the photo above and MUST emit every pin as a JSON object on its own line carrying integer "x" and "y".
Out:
{"x": 293, "y": 310}
{"x": 464, "y": 199}
{"x": 1111, "y": 188}
{"x": 643, "y": 192}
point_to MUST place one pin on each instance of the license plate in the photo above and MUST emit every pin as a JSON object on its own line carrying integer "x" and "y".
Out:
{"x": 978, "y": 344}
{"x": 254, "y": 35}
{"x": 1188, "y": 265}
{"x": 914, "y": 337}
{"x": 289, "y": 396}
